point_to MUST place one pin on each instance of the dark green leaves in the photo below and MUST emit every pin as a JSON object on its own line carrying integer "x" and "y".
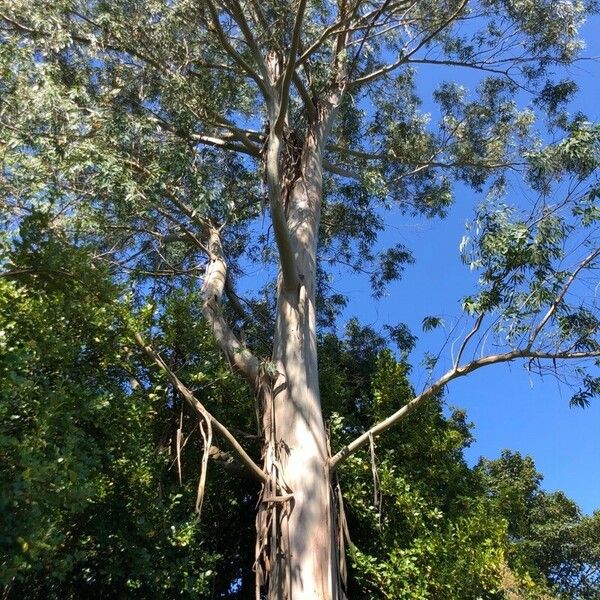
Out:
{"x": 391, "y": 265}
{"x": 430, "y": 323}
{"x": 578, "y": 155}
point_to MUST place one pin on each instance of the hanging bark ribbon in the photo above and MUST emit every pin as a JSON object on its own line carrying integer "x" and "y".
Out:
{"x": 206, "y": 431}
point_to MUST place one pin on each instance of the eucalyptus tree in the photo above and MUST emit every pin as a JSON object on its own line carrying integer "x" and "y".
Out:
{"x": 165, "y": 132}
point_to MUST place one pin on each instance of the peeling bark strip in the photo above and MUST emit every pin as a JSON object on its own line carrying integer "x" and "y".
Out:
{"x": 206, "y": 432}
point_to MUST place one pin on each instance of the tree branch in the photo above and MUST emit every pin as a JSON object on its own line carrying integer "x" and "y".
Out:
{"x": 233, "y": 53}
{"x": 306, "y": 97}
{"x": 582, "y": 265}
{"x": 289, "y": 272}
{"x": 405, "y": 58}
{"x": 378, "y": 12}
{"x": 214, "y": 286}
{"x": 227, "y": 461}
{"x": 290, "y": 69}
{"x": 212, "y": 292}
{"x": 457, "y": 63}
{"x": 238, "y": 15}
{"x": 234, "y": 300}
{"x": 200, "y": 409}
{"x": 340, "y": 170}
{"x": 225, "y": 142}
{"x": 437, "y": 387}
{"x": 468, "y": 338}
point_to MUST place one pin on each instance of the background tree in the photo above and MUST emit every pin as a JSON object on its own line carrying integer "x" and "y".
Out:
{"x": 161, "y": 131}
{"x": 547, "y": 530}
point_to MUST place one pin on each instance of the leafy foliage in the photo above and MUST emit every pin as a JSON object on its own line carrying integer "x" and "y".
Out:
{"x": 549, "y": 534}
{"x": 90, "y": 503}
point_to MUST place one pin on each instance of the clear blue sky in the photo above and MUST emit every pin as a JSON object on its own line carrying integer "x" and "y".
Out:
{"x": 509, "y": 408}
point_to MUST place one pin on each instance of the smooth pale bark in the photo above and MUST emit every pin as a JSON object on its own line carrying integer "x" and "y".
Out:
{"x": 303, "y": 552}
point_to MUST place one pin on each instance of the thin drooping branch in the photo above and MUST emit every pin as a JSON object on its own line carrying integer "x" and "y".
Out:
{"x": 199, "y": 408}
{"x": 468, "y": 338}
{"x": 435, "y": 388}
{"x": 205, "y": 426}
{"x": 582, "y": 265}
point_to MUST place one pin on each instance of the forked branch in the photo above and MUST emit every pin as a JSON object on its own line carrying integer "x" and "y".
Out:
{"x": 287, "y": 260}
{"x": 525, "y": 352}
{"x": 233, "y": 53}
{"x": 404, "y": 58}
{"x": 434, "y": 389}
{"x": 290, "y": 69}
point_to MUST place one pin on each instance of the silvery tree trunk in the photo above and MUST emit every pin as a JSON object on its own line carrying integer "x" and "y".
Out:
{"x": 303, "y": 554}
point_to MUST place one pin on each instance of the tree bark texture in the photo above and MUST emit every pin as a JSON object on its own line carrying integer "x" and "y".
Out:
{"x": 303, "y": 560}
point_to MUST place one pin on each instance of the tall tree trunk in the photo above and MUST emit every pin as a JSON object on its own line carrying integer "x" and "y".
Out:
{"x": 303, "y": 552}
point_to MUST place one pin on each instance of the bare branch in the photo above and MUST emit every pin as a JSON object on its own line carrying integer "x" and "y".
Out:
{"x": 582, "y": 265}
{"x": 458, "y": 63}
{"x": 437, "y": 387}
{"x": 227, "y": 461}
{"x": 240, "y": 19}
{"x": 431, "y": 163}
{"x": 289, "y": 271}
{"x": 339, "y": 27}
{"x": 468, "y": 338}
{"x": 289, "y": 69}
{"x": 214, "y": 286}
{"x": 406, "y": 57}
{"x": 199, "y": 408}
{"x": 365, "y": 37}
{"x": 233, "y": 53}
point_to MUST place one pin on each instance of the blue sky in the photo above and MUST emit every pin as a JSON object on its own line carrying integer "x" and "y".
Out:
{"x": 510, "y": 408}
